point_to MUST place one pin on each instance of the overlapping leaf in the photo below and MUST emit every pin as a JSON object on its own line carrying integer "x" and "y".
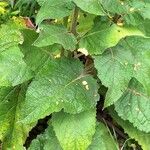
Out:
{"x": 118, "y": 65}
{"x": 102, "y": 139}
{"x": 30, "y": 51}
{"x": 142, "y": 137}
{"x": 74, "y": 131}
{"x": 52, "y": 34}
{"x": 12, "y": 134}
{"x": 10, "y": 36}
{"x": 46, "y": 141}
{"x": 115, "y": 6}
{"x": 134, "y": 105}
{"x": 85, "y": 23}
{"x": 61, "y": 83}
{"x": 131, "y": 12}
{"x": 13, "y": 69}
{"x": 53, "y": 9}
{"x": 90, "y": 6}
{"x": 106, "y": 36}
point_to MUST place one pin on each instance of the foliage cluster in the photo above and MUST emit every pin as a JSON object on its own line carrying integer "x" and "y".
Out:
{"x": 83, "y": 63}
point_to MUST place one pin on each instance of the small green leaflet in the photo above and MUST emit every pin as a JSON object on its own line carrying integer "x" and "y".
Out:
{"x": 74, "y": 131}
{"x": 52, "y": 34}
{"x": 53, "y": 9}
{"x": 61, "y": 83}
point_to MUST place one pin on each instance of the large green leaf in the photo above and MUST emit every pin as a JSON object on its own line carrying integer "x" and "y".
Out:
{"x": 52, "y": 34}
{"x": 116, "y": 66}
{"x": 90, "y": 6}
{"x": 114, "y": 73}
{"x": 12, "y": 133}
{"x": 61, "y": 83}
{"x": 134, "y": 105}
{"x": 106, "y": 36}
{"x": 53, "y": 9}
{"x": 46, "y": 141}
{"x": 102, "y": 139}
{"x": 74, "y": 132}
{"x": 142, "y": 137}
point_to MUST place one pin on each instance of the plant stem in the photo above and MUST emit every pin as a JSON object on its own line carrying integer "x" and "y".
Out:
{"x": 62, "y": 51}
{"x": 74, "y": 21}
{"x": 65, "y": 21}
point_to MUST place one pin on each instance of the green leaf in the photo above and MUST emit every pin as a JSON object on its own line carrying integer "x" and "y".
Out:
{"x": 142, "y": 137}
{"x": 61, "y": 83}
{"x": 134, "y": 105}
{"x": 114, "y": 73}
{"x": 46, "y": 141}
{"x": 90, "y": 6}
{"x": 74, "y": 132}
{"x": 13, "y": 69}
{"x": 116, "y": 66}
{"x": 12, "y": 133}
{"x": 115, "y": 6}
{"x": 102, "y": 139}
{"x": 53, "y": 9}
{"x": 144, "y": 27}
{"x": 85, "y": 23}
{"x": 130, "y": 12}
{"x": 52, "y": 34}
{"x": 33, "y": 54}
{"x": 142, "y": 8}
{"x": 106, "y": 36}
{"x": 10, "y": 36}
